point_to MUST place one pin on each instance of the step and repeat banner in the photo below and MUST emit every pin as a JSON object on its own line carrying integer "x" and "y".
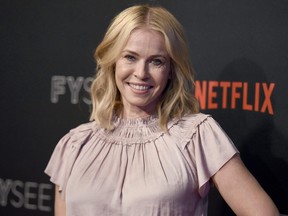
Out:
{"x": 239, "y": 50}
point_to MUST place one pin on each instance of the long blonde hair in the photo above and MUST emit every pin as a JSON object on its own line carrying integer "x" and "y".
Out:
{"x": 178, "y": 97}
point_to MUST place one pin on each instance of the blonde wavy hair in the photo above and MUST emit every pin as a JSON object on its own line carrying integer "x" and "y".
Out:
{"x": 178, "y": 97}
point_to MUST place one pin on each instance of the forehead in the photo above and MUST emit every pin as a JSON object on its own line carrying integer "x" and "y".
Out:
{"x": 145, "y": 39}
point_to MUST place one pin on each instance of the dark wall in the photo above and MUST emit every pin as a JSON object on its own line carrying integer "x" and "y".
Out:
{"x": 239, "y": 50}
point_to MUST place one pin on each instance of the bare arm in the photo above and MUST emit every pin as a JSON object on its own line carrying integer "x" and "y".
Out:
{"x": 59, "y": 206}
{"x": 241, "y": 190}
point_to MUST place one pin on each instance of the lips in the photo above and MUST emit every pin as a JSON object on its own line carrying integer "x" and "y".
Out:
{"x": 140, "y": 87}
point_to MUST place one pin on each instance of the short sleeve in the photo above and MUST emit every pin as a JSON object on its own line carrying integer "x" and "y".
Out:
{"x": 212, "y": 148}
{"x": 64, "y": 156}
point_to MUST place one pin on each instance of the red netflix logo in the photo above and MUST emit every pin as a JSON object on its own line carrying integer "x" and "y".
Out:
{"x": 207, "y": 92}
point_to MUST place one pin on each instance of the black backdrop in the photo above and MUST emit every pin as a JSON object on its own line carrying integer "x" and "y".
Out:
{"x": 239, "y": 50}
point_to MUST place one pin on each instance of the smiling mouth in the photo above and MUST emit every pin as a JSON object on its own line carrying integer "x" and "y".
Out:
{"x": 140, "y": 87}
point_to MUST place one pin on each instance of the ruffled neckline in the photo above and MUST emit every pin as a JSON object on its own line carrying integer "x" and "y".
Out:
{"x": 139, "y": 130}
{"x": 132, "y": 131}
{"x": 149, "y": 120}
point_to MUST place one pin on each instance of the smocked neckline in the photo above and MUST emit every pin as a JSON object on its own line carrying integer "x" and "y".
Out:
{"x": 135, "y": 131}
{"x": 132, "y": 131}
{"x": 148, "y": 120}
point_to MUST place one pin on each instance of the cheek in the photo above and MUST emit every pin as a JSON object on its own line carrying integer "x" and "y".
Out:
{"x": 118, "y": 72}
{"x": 165, "y": 79}
{"x": 164, "y": 76}
{"x": 121, "y": 70}
{"x": 121, "y": 74}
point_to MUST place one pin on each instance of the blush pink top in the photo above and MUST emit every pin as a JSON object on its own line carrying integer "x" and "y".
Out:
{"x": 137, "y": 169}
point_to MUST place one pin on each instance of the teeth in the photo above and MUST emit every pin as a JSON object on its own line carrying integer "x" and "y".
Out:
{"x": 139, "y": 87}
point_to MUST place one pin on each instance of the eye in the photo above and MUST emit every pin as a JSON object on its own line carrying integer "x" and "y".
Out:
{"x": 130, "y": 58}
{"x": 157, "y": 62}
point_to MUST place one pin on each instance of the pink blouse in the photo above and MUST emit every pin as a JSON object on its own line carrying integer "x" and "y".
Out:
{"x": 137, "y": 169}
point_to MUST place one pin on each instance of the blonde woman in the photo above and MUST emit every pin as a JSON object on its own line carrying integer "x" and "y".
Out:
{"x": 147, "y": 150}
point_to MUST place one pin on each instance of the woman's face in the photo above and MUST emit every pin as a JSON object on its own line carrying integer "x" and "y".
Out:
{"x": 142, "y": 72}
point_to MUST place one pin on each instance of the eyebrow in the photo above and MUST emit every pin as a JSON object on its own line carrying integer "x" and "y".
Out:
{"x": 152, "y": 56}
{"x": 131, "y": 52}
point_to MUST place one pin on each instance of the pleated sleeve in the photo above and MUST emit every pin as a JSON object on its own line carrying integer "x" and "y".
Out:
{"x": 64, "y": 156}
{"x": 210, "y": 147}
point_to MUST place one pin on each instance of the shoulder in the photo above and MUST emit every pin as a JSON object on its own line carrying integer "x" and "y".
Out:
{"x": 196, "y": 119}
{"x": 196, "y": 126}
{"x": 77, "y": 136}
{"x": 83, "y": 128}
{"x": 72, "y": 142}
{"x": 190, "y": 122}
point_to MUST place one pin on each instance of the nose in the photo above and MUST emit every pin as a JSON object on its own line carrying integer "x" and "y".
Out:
{"x": 142, "y": 71}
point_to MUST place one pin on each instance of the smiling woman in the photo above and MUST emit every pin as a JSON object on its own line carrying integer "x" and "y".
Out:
{"x": 148, "y": 151}
{"x": 142, "y": 72}
{"x": 173, "y": 50}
